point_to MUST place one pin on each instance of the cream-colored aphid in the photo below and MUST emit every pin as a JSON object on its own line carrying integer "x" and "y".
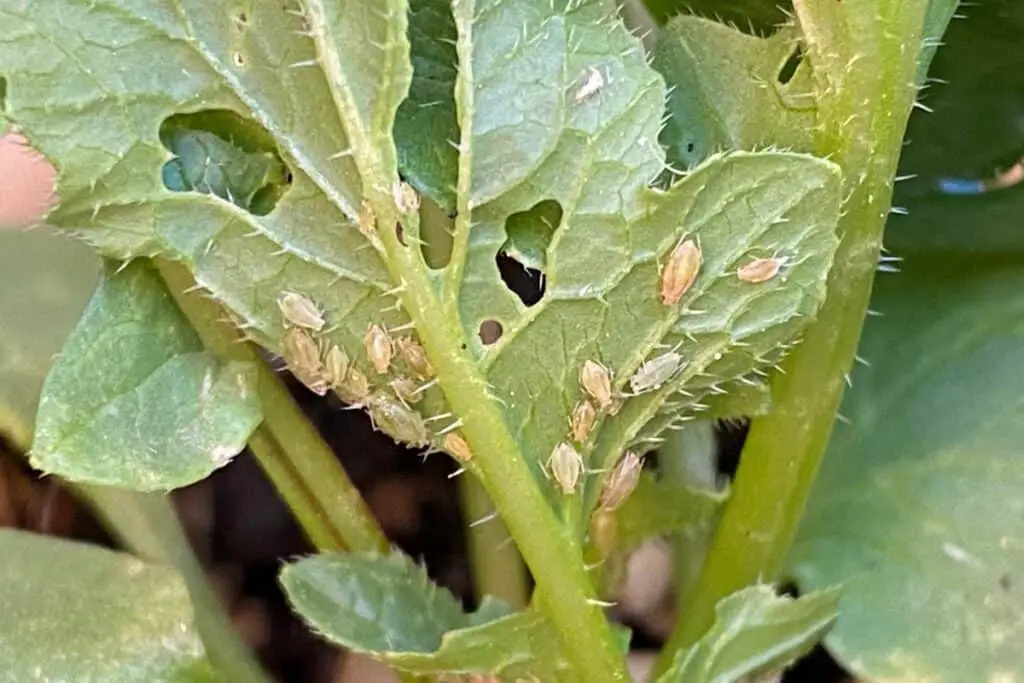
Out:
{"x": 401, "y": 422}
{"x": 596, "y": 380}
{"x": 379, "y": 348}
{"x": 457, "y": 446}
{"x": 406, "y": 390}
{"x": 336, "y": 363}
{"x": 300, "y": 311}
{"x": 566, "y": 467}
{"x": 367, "y": 220}
{"x": 303, "y": 358}
{"x": 622, "y": 481}
{"x": 592, "y": 84}
{"x": 405, "y": 197}
{"x": 760, "y": 270}
{"x": 680, "y": 271}
{"x": 582, "y": 421}
{"x": 655, "y": 372}
{"x": 415, "y": 357}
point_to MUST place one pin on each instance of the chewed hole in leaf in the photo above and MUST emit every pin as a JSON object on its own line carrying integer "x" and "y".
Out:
{"x": 790, "y": 66}
{"x": 490, "y": 332}
{"x": 523, "y": 258}
{"x": 221, "y": 153}
{"x": 241, "y": 18}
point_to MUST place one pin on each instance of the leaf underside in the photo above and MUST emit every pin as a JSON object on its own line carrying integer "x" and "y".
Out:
{"x": 134, "y": 400}
{"x": 755, "y": 632}
{"x": 387, "y": 607}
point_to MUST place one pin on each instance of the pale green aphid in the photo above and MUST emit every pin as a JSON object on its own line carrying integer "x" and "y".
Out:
{"x": 399, "y": 421}
{"x": 655, "y": 372}
{"x": 337, "y": 364}
{"x": 379, "y": 348}
{"x": 596, "y": 380}
{"x": 300, "y": 311}
{"x": 582, "y": 421}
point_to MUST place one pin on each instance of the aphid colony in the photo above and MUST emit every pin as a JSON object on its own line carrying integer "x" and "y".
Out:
{"x": 321, "y": 370}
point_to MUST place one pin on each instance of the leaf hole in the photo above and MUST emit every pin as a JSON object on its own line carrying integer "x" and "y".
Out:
{"x": 221, "y": 153}
{"x": 400, "y": 233}
{"x": 790, "y": 66}
{"x": 238, "y": 59}
{"x": 490, "y": 331}
{"x": 241, "y": 18}
{"x": 523, "y": 258}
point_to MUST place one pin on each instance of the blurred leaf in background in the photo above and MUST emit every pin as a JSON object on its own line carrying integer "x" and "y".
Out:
{"x": 46, "y": 280}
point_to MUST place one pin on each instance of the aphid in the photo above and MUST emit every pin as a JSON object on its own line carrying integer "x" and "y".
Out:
{"x": 680, "y": 271}
{"x": 406, "y": 390}
{"x": 603, "y": 532}
{"x": 354, "y": 388}
{"x": 457, "y": 446}
{"x": 582, "y": 421}
{"x": 415, "y": 357}
{"x": 379, "y": 348}
{"x": 367, "y": 221}
{"x": 760, "y": 270}
{"x": 405, "y": 197}
{"x": 655, "y": 372}
{"x": 590, "y": 86}
{"x": 401, "y": 422}
{"x": 566, "y": 466}
{"x": 303, "y": 358}
{"x": 337, "y": 363}
{"x": 300, "y": 311}
{"x": 596, "y": 380}
{"x": 622, "y": 481}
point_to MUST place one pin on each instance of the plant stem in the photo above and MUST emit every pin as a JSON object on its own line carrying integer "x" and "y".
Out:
{"x": 566, "y": 595}
{"x": 864, "y": 81}
{"x": 148, "y": 524}
{"x": 298, "y": 463}
{"x": 495, "y": 562}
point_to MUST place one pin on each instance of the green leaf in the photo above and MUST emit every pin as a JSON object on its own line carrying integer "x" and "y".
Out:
{"x": 134, "y": 401}
{"x": 732, "y": 90}
{"x": 74, "y": 612}
{"x": 915, "y": 509}
{"x": 645, "y": 513}
{"x": 540, "y": 120}
{"x": 425, "y": 125}
{"x": 755, "y": 631}
{"x": 971, "y": 138}
{"x": 45, "y": 282}
{"x": 387, "y": 607}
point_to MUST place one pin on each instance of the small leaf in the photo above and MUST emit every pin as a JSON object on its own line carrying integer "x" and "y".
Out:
{"x": 732, "y": 90}
{"x": 755, "y": 631}
{"x": 134, "y": 401}
{"x": 74, "y": 612}
{"x": 917, "y": 509}
{"x": 387, "y": 607}
{"x": 645, "y": 513}
{"x": 45, "y": 282}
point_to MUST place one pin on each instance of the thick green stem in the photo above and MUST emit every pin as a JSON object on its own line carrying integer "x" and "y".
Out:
{"x": 495, "y": 561}
{"x": 302, "y": 468}
{"x": 864, "y": 78}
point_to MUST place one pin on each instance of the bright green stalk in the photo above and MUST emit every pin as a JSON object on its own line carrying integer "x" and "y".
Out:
{"x": 864, "y": 55}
